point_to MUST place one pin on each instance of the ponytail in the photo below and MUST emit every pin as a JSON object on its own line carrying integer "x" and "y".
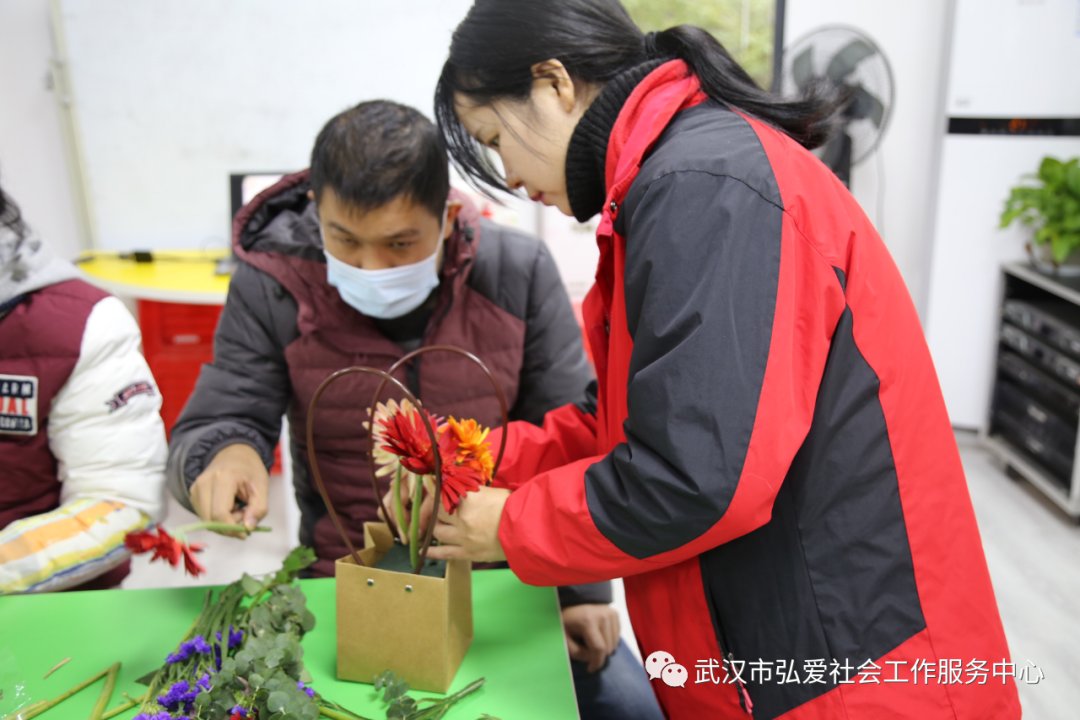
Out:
{"x": 495, "y": 47}
{"x": 809, "y": 119}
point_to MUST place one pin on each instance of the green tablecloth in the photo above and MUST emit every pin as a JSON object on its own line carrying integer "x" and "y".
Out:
{"x": 518, "y": 647}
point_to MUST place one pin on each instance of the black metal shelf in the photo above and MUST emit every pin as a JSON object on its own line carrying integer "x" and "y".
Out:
{"x": 1033, "y": 421}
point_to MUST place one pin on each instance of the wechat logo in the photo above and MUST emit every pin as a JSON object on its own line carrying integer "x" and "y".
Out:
{"x": 662, "y": 665}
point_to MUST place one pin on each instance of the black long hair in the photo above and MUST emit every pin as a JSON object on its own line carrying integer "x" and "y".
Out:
{"x": 496, "y": 45}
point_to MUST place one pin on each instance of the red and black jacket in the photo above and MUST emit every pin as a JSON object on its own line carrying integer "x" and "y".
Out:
{"x": 770, "y": 465}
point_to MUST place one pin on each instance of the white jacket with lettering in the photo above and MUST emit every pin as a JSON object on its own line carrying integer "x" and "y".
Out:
{"x": 104, "y": 429}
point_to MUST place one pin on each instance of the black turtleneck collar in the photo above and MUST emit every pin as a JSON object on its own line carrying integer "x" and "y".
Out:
{"x": 587, "y": 152}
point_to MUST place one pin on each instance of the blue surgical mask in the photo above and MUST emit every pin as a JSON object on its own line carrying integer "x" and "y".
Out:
{"x": 388, "y": 293}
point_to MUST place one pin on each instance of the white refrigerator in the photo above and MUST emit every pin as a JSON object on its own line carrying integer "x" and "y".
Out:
{"x": 1013, "y": 97}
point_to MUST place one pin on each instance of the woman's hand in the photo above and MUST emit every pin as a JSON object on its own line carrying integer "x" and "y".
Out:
{"x": 472, "y": 532}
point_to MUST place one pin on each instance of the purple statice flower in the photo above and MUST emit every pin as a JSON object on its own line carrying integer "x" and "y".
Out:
{"x": 188, "y": 648}
{"x": 235, "y": 637}
{"x": 301, "y": 686}
{"x": 179, "y": 656}
{"x": 180, "y": 694}
{"x": 204, "y": 682}
{"x": 238, "y": 710}
{"x": 155, "y": 716}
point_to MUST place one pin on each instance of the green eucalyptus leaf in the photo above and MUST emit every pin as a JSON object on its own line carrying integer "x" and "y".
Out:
{"x": 251, "y": 586}
{"x": 277, "y": 701}
{"x": 401, "y": 707}
{"x": 300, "y": 558}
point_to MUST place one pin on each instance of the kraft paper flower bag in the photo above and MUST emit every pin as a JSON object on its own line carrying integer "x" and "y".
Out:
{"x": 396, "y": 610}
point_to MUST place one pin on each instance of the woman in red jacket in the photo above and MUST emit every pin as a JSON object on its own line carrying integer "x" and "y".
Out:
{"x": 767, "y": 461}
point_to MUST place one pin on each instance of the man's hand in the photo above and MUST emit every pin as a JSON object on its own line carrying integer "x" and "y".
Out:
{"x": 592, "y": 633}
{"x": 472, "y": 532}
{"x": 234, "y": 488}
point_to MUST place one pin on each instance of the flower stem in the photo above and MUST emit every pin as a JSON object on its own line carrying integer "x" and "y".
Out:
{"x": 27, "y": 712}
{"x": 339, "y": 713}
{"x": 120, "y": 709}
{"x": 399, "y": 506}
{"x": 181, "y": 531}
{"x": 439, "y": 707}
{"x": 414, "y": 523}
{"x": 106, "y": 692}
{"x": 46, "y": 705}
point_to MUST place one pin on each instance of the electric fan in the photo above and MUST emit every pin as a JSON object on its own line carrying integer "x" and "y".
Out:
{"x": 849, "y": 61}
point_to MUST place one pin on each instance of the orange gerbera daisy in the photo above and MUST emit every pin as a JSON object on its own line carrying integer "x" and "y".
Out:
{"x": 473, "y": 449}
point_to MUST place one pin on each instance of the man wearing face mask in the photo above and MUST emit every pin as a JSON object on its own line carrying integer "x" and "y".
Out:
{"x": 358, "y": 261}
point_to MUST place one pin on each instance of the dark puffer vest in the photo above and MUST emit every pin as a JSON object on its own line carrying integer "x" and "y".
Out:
{"x": 285, "y": 329}
{"x": 34, "y": 366}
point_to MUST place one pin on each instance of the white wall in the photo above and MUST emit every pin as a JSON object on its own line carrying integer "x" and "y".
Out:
{"x": 913, "y": 35}
{"x": 33, "y": 168}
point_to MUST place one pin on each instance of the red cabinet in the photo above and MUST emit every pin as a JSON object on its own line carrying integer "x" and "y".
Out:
{"x": 177, "y": 339}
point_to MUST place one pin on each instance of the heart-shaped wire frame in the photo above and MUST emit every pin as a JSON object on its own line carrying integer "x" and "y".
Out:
{"x": 386, "y": 376}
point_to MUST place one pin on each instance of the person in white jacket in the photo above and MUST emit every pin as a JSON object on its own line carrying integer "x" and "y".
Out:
{"x": 82, "y": 443}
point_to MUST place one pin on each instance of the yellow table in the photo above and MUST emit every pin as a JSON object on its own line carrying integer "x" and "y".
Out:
{"x": 178, "y": 276}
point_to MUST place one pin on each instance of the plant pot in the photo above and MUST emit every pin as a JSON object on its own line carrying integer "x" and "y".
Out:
{"x": 415, "y": 625}
{"x": 1043, "y": 260}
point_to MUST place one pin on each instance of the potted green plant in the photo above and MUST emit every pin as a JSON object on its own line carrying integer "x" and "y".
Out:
{"x": 1049, "y": 202}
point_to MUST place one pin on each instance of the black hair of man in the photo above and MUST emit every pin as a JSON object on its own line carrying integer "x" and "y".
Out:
{"x": 380, "y": 150}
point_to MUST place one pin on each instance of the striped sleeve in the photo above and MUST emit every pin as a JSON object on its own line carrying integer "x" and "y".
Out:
{"x": 78, "y": 541}
{"x": 106, "y": 433}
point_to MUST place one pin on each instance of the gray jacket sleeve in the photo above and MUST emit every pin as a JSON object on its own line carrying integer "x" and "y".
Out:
{"x": 554, "y": 370}
{"x": 241, "y": 396}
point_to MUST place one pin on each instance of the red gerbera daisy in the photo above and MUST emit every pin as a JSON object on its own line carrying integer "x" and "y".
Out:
{"x": 141, "y": 541}
{"x": 165, "y": 547}
{"x": 456, "y": 481}
{"x": 406, "y": 436}
{"x": 191, "y": 565}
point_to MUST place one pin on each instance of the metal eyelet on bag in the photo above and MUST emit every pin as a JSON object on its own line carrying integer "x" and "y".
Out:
{"x": 371, "y": 582}
{"x": 613, "y": 207}
{"x": 408, "y": 588}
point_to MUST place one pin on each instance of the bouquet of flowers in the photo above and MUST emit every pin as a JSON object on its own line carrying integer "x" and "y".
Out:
{"x": 402, "y": 448}
{"x": 424, "y": 617}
